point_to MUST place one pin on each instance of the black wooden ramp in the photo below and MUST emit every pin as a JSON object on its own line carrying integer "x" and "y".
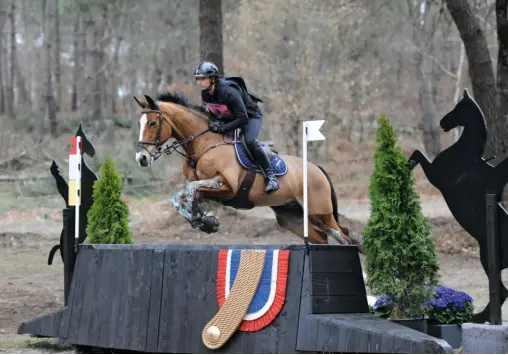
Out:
{"x": 158, "y": 298}
{"x": 332, "y": 319}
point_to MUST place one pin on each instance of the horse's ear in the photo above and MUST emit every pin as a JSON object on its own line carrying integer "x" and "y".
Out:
{"x": 142, "y": 104}
{"x": 151, "y": 104}
{"x": 466, "y": 94}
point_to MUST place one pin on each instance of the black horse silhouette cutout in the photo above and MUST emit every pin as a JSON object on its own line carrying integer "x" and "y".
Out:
{"x": 464, "y": 177}
{"x": 88, "y": 178}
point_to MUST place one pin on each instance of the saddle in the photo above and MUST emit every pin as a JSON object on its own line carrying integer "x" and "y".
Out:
{"x": 266, "y": 145}
{"x": 248, "y": 162}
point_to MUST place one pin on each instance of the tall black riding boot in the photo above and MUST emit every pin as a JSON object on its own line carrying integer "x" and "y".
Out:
{"x": 272, "y": 184}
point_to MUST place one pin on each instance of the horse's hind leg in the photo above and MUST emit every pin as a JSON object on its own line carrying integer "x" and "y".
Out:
{"x": 290, "y": 218}
{"x": 328, "y": 225}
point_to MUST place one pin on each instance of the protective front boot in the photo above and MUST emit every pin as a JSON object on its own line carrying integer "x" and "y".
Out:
{"x": 272, "y": 184}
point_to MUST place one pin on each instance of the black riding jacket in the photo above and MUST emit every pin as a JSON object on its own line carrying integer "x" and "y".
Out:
{"x": 231, "y": 104}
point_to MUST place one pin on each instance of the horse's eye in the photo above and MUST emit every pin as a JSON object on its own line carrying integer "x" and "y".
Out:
{"x": 152, "y": 124}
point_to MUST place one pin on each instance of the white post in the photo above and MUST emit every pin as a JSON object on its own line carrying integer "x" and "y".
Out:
{"x": 75, "y": 184}
{"x": 305, "y": 188}
{"x": 310, "y": 133}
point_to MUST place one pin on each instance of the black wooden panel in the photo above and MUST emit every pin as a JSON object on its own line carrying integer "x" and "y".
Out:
{"x": 334, "y": 258}
{"x": 101, "y": 297}
{"x": 108, "y": 296}
{"x": 47, "y": 325}
{"x": 339, "y": 304}
{"x": 91, "y": 305}
{"x": 189, "y": 302}
{"x": 337, "y": 284}
{"x": 77, "y": 293}
{"x": 357, "y": 333}
{"x": 154, "y": 307}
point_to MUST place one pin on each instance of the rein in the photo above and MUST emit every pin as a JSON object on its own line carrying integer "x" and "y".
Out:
{"x": 176, "y": 144}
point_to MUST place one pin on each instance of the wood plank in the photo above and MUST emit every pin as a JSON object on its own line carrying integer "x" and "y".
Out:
{"x": 102, "y": 298}
{"x": 78, "y": 294}
{"x": 334, "y": 258}
{"x": 339, "y": 304}
{"x": 117, "y": 311}
{"x": 155, "y": 299}
{"x": 337, "y": 284}
{"x": 74, "y": 295}
{"x": 141, "y": 302}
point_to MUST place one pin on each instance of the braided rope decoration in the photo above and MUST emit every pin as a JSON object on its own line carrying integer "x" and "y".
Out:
{"x": 229, "y": 317}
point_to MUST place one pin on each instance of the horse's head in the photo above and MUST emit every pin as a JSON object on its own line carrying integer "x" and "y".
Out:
{"x": 466, "y": 112}
{"x": 154, "y": 132}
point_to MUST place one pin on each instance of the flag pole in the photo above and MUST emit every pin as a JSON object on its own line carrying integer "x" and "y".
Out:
{"x": 305, "y": 190}
{"x": 310, "y": 133}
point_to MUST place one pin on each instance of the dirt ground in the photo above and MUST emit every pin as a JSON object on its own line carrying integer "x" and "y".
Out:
{"x": 30, "y": 287}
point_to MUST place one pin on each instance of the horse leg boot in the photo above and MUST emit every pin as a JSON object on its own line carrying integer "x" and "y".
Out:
{"x": 272, "y": 184}
{"x": 190, "y": 210}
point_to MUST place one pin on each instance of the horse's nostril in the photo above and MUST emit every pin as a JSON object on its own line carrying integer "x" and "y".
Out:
{"x": 142, "y": 160}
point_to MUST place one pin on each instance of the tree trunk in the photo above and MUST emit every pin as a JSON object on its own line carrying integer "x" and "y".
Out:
{"x": 431, "y": 138}
{"x": 119, "y": 36}
{"x": 210, "y": 38}
{"x": 500, "y": 127}
{"x": 480, "y": 68}
{"x": 93, "y": 102}
{"x": 24, "y": 93}
{"x": 49, "y": 37}
{"x": 11, "y": 78}
{"x": 3, "y": 57}
{"x": 58, "y": 69}
{"x": 77, "y": 59}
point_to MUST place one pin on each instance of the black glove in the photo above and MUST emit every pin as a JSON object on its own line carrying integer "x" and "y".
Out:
{"x": 216, "y": 126}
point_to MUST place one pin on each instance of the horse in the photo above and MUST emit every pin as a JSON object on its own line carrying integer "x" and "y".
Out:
{"x": 464, "y": 177}
{"x": 218, "y": 167}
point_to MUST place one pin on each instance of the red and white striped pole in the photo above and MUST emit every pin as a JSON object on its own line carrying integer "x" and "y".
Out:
{"x": 75, "y": 184}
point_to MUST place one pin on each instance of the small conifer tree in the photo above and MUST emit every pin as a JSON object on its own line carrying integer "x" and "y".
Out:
{"x": 108, "y": 216}
{"x": 401, "y": 261}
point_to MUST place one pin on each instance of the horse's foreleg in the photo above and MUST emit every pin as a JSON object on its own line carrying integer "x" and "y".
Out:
{"x": 190, "y": 209}
{"x": 181, "y": 206}
{"x": 418, "y": 158}
{"x": 192, "y": 189}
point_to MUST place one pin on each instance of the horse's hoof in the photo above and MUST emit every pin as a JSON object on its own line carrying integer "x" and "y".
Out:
{"x": 411, "y": 164}
{"x": 209, "y": 224}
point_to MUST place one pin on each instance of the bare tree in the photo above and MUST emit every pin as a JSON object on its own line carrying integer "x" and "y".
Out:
{"x": 481, "y": 70}
{"x": 56, "y": 56}
{"x": 210, "y": 25}
{"x": 500, "y": 142}
{"x": 49, "y": 37}
{"x": 10, "y": 108}
{"x": 3, "y": 56}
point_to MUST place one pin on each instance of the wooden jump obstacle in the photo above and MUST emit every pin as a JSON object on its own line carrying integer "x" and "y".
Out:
{"x": 165, "y": 299}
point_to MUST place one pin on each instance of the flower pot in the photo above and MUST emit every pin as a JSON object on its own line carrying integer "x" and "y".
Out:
{"x": 451, "y": 333}
{"x": 418, "y": 324}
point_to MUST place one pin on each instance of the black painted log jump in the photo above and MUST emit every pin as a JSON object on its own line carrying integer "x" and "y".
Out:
{"x": 158, "y": 298}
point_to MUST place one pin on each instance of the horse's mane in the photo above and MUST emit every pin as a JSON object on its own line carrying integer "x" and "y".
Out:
{"x": 179, "y": 99}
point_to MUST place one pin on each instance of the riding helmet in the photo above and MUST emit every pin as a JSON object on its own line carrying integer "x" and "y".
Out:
{"x": 206, "y": 69}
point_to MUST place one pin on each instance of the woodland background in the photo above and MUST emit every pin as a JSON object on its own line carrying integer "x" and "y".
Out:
{"x": 65, "y": 61}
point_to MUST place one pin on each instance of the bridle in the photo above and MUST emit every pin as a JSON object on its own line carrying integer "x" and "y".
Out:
{"x": 176, "y": 144}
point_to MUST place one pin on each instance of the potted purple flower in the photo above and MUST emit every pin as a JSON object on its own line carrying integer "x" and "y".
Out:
{"x": 447, "y": 309}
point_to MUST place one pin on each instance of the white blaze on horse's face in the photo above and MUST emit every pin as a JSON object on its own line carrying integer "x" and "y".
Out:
{"x": 142, "y": 156}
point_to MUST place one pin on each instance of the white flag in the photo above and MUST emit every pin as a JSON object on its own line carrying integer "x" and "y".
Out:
{"x": 312, "y": 130}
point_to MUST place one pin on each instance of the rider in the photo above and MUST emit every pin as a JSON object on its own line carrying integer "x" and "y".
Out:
{"x": 234, "y": 108}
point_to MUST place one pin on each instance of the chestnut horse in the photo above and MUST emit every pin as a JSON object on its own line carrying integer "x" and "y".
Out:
{"x": 214, "y": 171}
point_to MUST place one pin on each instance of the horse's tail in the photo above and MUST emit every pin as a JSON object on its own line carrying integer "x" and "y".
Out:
{"x": 333, "y": 196}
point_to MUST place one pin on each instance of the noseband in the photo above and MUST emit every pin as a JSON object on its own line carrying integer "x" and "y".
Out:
{"x": 158, "y": 147}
